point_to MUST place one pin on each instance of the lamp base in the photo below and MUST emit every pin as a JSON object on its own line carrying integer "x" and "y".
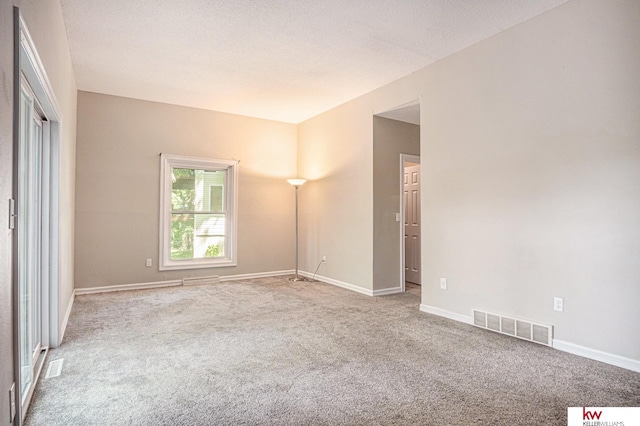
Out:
{"x": 296, "y": 279}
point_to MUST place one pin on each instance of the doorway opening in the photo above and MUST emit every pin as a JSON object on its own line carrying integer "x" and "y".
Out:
{"x": 396, "y": 136}
{"x": 410, "y": 225}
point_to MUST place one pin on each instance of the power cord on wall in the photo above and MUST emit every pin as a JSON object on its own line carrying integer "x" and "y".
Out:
{"x": 314, "y": 274}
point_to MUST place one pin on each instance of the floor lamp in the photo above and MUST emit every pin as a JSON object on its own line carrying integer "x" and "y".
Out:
{"x": 296, "y": 184}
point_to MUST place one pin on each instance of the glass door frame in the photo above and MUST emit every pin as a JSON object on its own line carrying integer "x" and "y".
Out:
{"x": 33, "y": 251}
{"x": 29, "y": 67}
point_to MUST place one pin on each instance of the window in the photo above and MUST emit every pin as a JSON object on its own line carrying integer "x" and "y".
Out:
{"x": 198, "y": 214}
{"x": 216, "y": 197}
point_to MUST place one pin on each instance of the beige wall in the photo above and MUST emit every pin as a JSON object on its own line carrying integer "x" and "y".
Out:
{"x": 390, "y": 139}
{"x": 530, "y": 177}
{"x": 531, "y": 148}
{"x": 46, "y": 26}
{"x": 118, "y": 186}
{"x": 337, "y": 204}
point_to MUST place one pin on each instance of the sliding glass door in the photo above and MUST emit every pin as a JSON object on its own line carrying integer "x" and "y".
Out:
{"x": 31, "y": 247}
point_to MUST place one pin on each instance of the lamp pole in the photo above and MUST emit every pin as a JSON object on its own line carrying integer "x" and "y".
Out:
{"x": 296, "y": 184}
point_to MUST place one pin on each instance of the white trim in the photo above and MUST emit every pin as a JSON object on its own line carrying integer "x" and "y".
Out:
{"x": 387, "y": 291}
{"x": 352, "y": 287}
{"x": 55, "y": 340}
{"x": 413, "y": 159}
{"x": 37, "y": 70}
{"x": 126, "y": 287}
{"x": 337, "y": 283}
{"x": 178, "y": 283}
{"x": 46, "y": 233}
{"x": 256, "y": 275}
{"x": 618, "y": 361}
{"x": 447, "y": 314}
{"x": 171, "y": 283}
{"x": 67, "y": 314}
{"x": 167, "y": 163}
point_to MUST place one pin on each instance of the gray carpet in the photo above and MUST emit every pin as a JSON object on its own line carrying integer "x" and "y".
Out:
{"x": 268, "y": 351}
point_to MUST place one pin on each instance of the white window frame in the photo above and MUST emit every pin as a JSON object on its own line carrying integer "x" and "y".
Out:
{"x": 167, "y": 164}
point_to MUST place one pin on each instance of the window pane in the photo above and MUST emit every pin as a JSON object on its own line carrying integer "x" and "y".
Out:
{"x": 196, "y": 236}
{"x": 197, "y": 189}
{"x": 209, "y": 235}
{"x": 182, "y": 236}
{"x": 215, "y": 198}
{"x": 183, "y": 189}
{"x": 212, "y": 187}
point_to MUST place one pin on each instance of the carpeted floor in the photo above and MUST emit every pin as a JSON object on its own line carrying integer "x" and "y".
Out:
{"x": 268, "y": 351}
{"x": 413, "y": 288}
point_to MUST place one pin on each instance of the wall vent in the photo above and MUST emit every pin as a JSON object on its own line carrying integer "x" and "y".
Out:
{"x": 214, "y": 279}
{"x": 526, "y": 330}
{"x": 54, "y": 369}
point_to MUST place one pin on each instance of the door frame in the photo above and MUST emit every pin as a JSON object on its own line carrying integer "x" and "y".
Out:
{"x": 405, "y": 158}
{"x": 28, "y": 65}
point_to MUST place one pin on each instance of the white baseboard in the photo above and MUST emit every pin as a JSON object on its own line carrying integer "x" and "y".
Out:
{"x": 255, "y": 275}
{"x": 357, "y": 289}
{"x": 618, "y": 361}
{"x": 387, "y": 291}
{"x": 125, "y": 287}
{"x": 337, "y": 283}
{"x": 65, "y": 319}
{"x": 447, "y": 314}
{"x": 171, "y": 283}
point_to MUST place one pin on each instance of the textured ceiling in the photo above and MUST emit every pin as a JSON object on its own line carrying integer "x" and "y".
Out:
{"x": 285, "y": 60}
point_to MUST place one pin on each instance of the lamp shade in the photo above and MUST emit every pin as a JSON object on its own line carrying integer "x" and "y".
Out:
{"x": 296, "y": 182}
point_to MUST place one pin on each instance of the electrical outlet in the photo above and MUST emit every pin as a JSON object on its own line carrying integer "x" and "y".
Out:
{"x": 443, "y": 283}
{"x": 558, "y": 304}
{"x": 149, "y": 262}
{"x": 324, "y": 258}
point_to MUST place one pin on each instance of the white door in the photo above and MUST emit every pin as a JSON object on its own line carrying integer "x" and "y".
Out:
{"x": 31, "y": 250}
{"x": 412, "y": 224}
